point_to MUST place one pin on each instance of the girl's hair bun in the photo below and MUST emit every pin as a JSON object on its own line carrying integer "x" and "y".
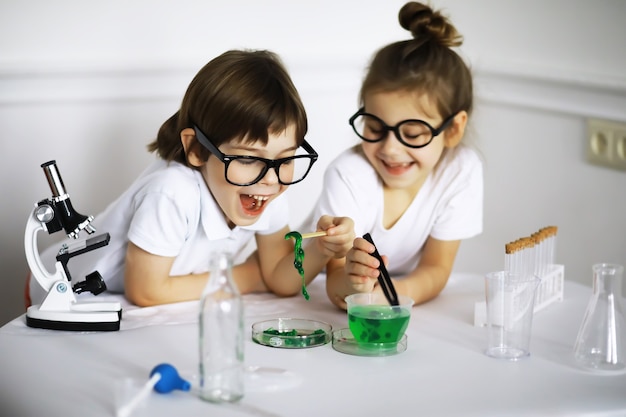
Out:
{"x": 426, "y": 24}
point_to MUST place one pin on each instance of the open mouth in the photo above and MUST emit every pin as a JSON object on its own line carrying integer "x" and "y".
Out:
{"x": 253, "y": 204}
{"x": 397, "y": 168}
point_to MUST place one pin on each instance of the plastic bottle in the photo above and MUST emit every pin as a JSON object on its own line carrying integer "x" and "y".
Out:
{"x": 221, "y": 334}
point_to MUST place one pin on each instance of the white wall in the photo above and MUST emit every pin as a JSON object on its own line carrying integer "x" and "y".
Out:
{"x": 89, "y": 83}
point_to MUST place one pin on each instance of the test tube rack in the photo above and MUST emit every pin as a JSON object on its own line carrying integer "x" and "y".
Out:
{"x": 549, "y": 291}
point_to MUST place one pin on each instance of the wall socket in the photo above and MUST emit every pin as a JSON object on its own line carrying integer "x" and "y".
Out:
{"x": 606, "y": 143}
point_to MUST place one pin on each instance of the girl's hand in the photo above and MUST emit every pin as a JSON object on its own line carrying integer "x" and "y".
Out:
{"x": 339, "y": 236}
{"x": 361, "y": 267}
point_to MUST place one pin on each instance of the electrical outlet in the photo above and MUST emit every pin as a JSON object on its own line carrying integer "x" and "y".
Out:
{"x": 606, "y": 143}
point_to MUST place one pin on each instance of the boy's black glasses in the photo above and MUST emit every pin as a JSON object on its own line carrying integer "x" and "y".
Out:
{"x": 412, "y": 133}
{"x": 247, "y": 170}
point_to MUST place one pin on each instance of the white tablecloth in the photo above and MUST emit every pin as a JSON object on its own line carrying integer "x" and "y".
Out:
{"x": 443, "y": 372}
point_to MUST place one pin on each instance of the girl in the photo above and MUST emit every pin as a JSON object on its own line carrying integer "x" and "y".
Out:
{"x": 227, "y": 157}
{"x": 411, "y": 183}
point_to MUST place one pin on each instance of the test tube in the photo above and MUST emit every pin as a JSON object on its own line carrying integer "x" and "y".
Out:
{"x": 549, "y": 237}
{"x": 529, "y": 259}
{"x": 536, "y": 237}
{"x": 509, "y": 253}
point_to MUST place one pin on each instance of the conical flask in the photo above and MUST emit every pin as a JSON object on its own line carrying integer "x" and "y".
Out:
{"x": 601, "y": 341}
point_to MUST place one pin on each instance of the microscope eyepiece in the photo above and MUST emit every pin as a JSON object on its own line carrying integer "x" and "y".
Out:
{"x": 72, "y": 221}
{"x": 54, "y": 178}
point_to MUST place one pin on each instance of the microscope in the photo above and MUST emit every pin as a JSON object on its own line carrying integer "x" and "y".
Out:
{"x": 60, "y": 309}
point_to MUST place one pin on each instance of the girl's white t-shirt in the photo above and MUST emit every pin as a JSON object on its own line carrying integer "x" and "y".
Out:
{"x": 168, "y": 211}
{"x": 449, "y": 205}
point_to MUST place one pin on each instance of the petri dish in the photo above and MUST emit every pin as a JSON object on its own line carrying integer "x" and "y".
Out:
{"x": 291, "y": 333}
{"x": 344, "y": 342}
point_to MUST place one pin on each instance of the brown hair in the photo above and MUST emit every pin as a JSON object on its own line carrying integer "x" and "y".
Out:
{"x": 425, "y": 64}
{"x": 237, "y": 95}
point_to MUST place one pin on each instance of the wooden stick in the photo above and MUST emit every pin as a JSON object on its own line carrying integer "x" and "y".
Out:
{"x": 313, "y": 234}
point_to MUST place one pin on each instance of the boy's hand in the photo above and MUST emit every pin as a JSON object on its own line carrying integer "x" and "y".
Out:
{"x": 361, "y": 267}
{"x": 339, "y": 236}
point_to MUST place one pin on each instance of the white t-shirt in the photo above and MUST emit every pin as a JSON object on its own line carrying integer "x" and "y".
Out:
{"x": 168, "y": 211}
{"x": 448, "y": 206}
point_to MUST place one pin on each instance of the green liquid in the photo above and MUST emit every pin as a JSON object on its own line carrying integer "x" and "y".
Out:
{"x": 378, "y": 324}
{"x": 295, "y": 338}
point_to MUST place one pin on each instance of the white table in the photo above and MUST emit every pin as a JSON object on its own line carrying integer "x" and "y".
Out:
{"x": 442, "y": 372}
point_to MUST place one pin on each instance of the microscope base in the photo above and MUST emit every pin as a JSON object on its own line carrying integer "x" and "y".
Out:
{"x": 81, "y": 321}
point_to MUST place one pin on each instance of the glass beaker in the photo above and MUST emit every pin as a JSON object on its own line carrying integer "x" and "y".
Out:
{"x": 601, "y": 341}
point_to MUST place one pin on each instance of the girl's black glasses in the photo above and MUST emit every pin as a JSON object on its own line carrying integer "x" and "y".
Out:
{"x": 413, "y": 133}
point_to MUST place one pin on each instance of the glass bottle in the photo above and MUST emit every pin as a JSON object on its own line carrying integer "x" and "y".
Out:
{"x": 221, "y": 334}
{"x": 601, "y": 341}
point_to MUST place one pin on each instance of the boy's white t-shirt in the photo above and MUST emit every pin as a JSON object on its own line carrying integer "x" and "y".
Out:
{"x": 168, "y": 211}
{"x": 448, "y": 206}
